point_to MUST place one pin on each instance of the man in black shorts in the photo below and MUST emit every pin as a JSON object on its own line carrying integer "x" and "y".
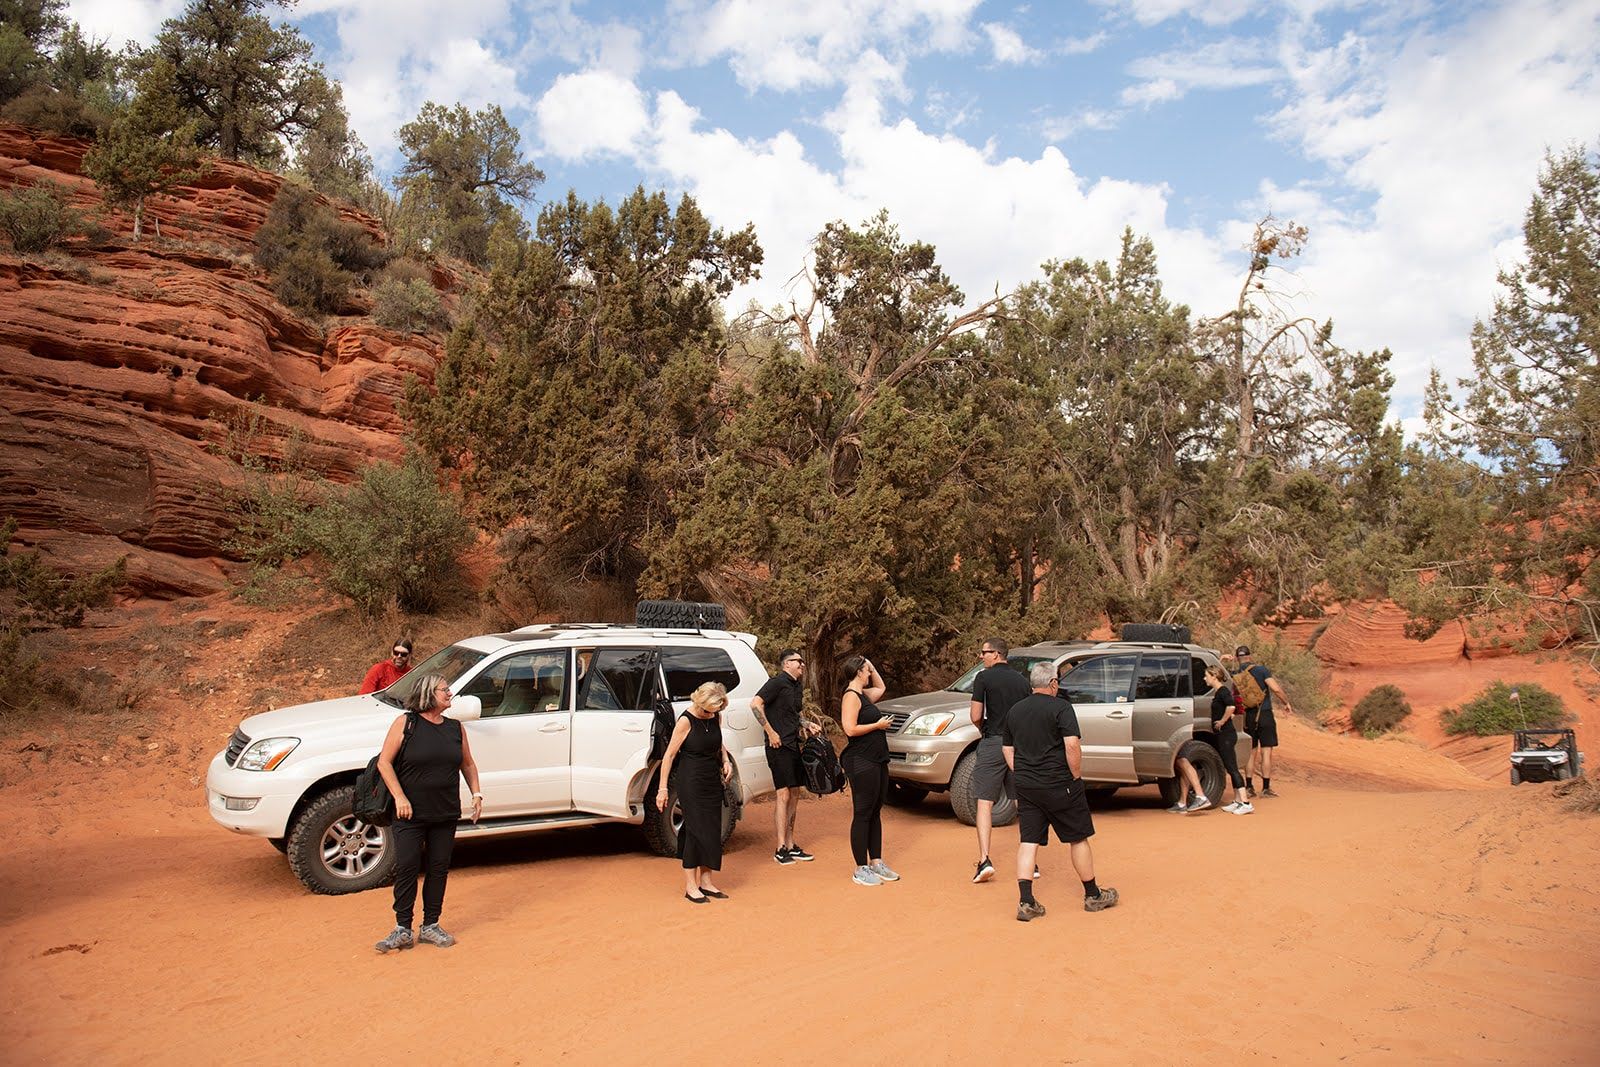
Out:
{"x": 1261, "y": 723}
{"x": 994, "y": 690}
{"x": 1043, "y": 747}
{"x": 777, "y": 709}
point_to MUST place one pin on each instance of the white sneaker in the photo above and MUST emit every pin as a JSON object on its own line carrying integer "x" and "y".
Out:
{"x": 1242, "y": 808}
{"x": 866, "y": 876}
{"x": 1230, "y": 806}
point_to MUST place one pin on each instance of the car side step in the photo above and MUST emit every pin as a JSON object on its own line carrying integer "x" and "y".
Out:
{"x": 532, "y": 822}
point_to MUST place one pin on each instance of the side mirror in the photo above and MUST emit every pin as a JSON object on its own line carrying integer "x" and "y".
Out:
{"x": 465, "y": 709}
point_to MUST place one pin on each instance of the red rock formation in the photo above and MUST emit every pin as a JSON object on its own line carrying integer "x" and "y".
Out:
{"x": 122, "y": 367}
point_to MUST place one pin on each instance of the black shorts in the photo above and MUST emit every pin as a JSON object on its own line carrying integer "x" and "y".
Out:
{"x": 991, "y": 777}
{"x": 1065, "y": 808}
{"x": 787, "y": 771}
{"x": 1262, "y": 728}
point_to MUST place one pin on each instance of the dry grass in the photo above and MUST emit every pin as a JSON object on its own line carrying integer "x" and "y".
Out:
{"x": 1580, "y": 794}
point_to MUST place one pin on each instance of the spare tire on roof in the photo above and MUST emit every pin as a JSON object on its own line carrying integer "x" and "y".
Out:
{"x": 1156, "y": 631}
{"x": 681, "y": 614}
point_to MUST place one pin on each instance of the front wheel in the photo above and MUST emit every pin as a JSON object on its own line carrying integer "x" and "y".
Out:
{"x": 333, "y": 852}
{"x": 1207, "y": 764}
{"x": 964, "y": 799}
{"x": 1516, "y": 776}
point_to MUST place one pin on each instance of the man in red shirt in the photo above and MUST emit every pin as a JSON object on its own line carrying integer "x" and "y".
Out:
{"x": 386, "y": 672}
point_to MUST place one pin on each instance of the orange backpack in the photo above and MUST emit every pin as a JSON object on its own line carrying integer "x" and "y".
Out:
{"x": 1251, "y": 695}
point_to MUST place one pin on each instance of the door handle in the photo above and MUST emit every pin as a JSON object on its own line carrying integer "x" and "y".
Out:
{"x": 633, "y": 728}
{"x": 1117, "y": 715}
{"x": 552, "y": 728}
{"x": 1174, "y": 711}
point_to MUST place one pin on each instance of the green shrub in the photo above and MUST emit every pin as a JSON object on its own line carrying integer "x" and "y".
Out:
{"x": 38, "y": 218}
{"x": 1297, "y": 670}
{"x": 36, "y": 596}
{"x": 1493, "y": 711}
{"x": 1381, "y": 710}
{"x": 313, "y": 255}
{"x": 412, "y": 306}
{"x": 392, "y": 538}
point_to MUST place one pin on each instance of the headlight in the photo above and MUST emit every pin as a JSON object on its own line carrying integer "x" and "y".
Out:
{"x": 267, "y": 753}
{"x": 933, "y": 723}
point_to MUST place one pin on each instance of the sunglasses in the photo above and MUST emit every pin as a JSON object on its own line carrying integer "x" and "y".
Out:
{"x": 400, "y": 653}
{"x": 796, "y": 661}
{"x": 988, "y": 652}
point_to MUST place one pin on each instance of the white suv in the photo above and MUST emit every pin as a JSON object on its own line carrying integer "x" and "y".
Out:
{"x": 560, "y": 722}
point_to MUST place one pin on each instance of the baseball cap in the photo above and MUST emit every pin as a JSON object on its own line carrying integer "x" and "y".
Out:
{"x": 1242, "y": 650}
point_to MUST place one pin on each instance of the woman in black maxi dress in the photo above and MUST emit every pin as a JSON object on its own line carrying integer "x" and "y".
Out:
{"x": 703, "y": 766}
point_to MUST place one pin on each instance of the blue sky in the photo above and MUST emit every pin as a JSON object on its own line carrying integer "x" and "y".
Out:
{"x": 1405, "y": 134}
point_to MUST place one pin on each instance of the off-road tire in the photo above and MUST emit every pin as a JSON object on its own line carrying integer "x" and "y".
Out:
{"x": 305, "y": 842}
{"x": 906, "y": 795}
{"x": 1207, "y": 763}
{"x": 1516, "y": 776}
{"x": 1163, "y": 632}
{"x": 681, "y": 615}
{"x": 965, "y": 804}
{"x": 661, "y": 827}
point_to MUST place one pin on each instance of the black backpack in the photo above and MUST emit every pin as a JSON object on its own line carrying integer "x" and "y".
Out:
{"x": 374, "y": 804}
{"x": 821, "y": 766}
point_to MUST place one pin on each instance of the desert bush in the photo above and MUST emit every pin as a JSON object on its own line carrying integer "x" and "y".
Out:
{"x": 408, "y": 269}
{"x": 412, "y": 306}
{"x": 1381, "y": 710}
{"x": 1297, "y": 670}
{"x": 394, "y": 537}
{"x": 1493, "y": 711}
{"x": 38, "y": 218}
{"x": 313, "y": 255}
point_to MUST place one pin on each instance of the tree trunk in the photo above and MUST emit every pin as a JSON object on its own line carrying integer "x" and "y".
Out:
{"x": 138, "y": 219}
{"x": 1027, "y": 567}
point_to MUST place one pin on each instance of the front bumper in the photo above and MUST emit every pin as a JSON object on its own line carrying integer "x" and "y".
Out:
{"x": 924, "y": 761}
{"x": 274, "y": 798}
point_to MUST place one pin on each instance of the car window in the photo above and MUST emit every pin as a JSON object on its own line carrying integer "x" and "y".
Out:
{"x": 1020, "y": 664}
{"x": 618, "y": 679}
{"x": 521, "y": 683}
{"x": 1099, "y": 680}
{"x": 963, "y": 684}
{"x": 1162, "y": 676}
{"x": 452, "y": 662}
{"x": 688, "y": 668}
{"x": 1197, "y": 675}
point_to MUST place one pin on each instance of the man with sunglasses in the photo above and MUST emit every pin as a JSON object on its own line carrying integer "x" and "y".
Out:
{"x": 386, "y": 672}
{"x": 996, "y": 688}
{"x": 777, "y": 708}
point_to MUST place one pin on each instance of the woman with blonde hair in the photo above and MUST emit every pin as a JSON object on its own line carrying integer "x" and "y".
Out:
{"x": 706, "y": 766}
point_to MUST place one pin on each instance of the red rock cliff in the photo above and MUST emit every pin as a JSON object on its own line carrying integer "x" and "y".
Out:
{"x": 122, "y": 365}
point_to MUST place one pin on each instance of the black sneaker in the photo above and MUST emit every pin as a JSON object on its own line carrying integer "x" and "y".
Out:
{"x": 798, "y": 853}
{"x": 984, "y": 871}
{"x": 783, "y": 856}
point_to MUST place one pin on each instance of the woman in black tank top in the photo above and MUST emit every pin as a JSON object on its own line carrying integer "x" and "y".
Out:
{"x": 422, "y": 758}
{"x": 866, "y": 762}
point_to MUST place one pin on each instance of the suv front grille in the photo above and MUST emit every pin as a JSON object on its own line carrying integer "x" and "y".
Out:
{"x": 899, "y": 718}
{"x": 236, "y": 746}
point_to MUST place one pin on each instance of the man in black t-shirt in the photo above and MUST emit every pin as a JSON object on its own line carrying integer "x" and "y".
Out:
{"x": 1261, "y": 723}
{"x": 1043, "y": 747}
{"x": 994, "y": 690}
{"x": 777, "y": 708}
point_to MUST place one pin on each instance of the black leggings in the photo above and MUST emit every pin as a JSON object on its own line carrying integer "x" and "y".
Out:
{"x": 1227, "y": 746}
{"x": 409, "y": 838}
{"x": 869, "y": 788}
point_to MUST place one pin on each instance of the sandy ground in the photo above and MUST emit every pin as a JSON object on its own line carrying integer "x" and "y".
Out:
{"x": 1393, "y": 905}
{"x": 1389, "y": 906}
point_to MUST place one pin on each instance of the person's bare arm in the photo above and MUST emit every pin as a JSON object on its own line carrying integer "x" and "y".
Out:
{"x": 976, "y": 710}
{"x": 875, "y": 687}
{"x": 1277, "y": 691}
{"x": 386, "y": 757}
{"x": 469, "y": 771}
{"x": 1074, "y": 756}
{"x": 1010, "y": 754}
{"x": 679, "y": 733}
{"x": 759, "y": 708}
{"x": 850, "y": 716}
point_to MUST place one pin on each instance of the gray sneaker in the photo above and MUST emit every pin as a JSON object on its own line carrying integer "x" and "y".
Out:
{"x": 1106, "y": 899}
{"x": 1029, "y": 910}
{"x": 866, "y": 876}
{"x": 1177, "y": 809}
{"x": 431, "y": 934}
{"x": 1200, "y": 803}
{"x": 881, "y": 869}
{"x": 399, "y": 937}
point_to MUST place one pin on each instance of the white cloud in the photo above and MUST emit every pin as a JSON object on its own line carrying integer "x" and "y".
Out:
{"x": 591, "y": 113}
{"x": 1230, "y": 63}
{"x": 1080, "y": 46}
{"x": 1155, "y": 91}
{"x": 777, "y": 44}
{"x": 1057, "y": 128}
{"x": 1210, "y": 12}
{"x": 1008, "y": 45}
{"x": 121, "y": 21}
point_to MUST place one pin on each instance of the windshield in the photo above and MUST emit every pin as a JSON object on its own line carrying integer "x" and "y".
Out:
{"x": 452, "y": 662}
{"x": 1021, "y": 664}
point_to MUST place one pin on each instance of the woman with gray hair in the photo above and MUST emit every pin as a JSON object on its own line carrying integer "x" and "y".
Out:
{"x": 706, "y": 766}
{"x": 421, "y": 758}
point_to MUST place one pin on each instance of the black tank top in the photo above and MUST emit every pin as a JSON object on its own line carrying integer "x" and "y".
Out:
{"x": 871, "y": 747}
{"x": 430, "y": 769}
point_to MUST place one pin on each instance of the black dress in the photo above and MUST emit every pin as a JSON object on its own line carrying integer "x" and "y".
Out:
{"x": 699, "y": 774}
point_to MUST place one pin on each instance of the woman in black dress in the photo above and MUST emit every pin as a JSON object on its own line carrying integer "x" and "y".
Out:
{"x": 866, "y": 763}
{"x": 697, "y": 737}
{"x": 431, "y": 751}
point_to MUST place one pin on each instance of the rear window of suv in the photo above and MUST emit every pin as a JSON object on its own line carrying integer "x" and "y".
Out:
{"x": 687, "y": 668}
